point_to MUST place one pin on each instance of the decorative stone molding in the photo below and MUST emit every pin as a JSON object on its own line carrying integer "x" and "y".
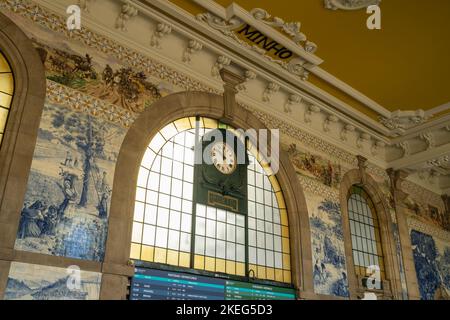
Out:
{"x": 310, "y": 111}
{"x": 315, "y": 187}
{"x": 429, "y": 139}
{"x": 193, "y": 47}
{"x": 423, "y": 195}
{"x": 221, "y": 63}
{"x": 292, "y": 100}
{"x": 290, "y": 28}
{"x": 349, "y": 4}
{"x": 296, "y": 66}
{"x": 426, "y": 228}
{"x": 248, "y": 76}
{"x": 348, "y": 128}
{"x": 377, "y": 145}
{"x": 270, "y": 90}
{"x": 76, "y": 100}
{"x": 84, "y": 4}
{"x": 363, "y": 138}
{"x": 404, "y": 145}
{"x": 328, "y": 121}
{"x": 160, "y": 32}
{"x": 439, "y": 161}
{"x": 400, "y": 121}
{"x": 127, "y": 13}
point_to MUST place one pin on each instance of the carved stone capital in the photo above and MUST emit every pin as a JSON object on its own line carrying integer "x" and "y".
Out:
{"x": 231, "y": 81}
{"x": 397, "y": 177}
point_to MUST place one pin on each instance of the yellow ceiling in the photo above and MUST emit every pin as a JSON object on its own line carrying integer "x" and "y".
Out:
{"x": 405, "y": 66}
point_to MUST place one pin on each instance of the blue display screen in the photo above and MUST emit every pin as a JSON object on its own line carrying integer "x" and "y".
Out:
{"x": 151, "y": 284}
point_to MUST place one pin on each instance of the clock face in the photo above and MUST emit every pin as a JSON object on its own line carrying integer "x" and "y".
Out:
{"x": 223, "y": 157}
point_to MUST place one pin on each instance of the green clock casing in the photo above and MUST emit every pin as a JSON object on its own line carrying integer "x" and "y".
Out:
{"x": 220, "y": 180}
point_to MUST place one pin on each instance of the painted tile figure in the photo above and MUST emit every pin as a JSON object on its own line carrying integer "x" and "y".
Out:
{"x": 329, "y": 270}
{"x": 432, "y": 263}
{"x": 35, "y": 282}
{"x": 67, "y": 200}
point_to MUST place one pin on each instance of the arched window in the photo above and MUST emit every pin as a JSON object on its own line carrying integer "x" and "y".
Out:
{"x": 170, "y": 229}
{"x": 365, "y": 232}
{"x": 6, "y": 93}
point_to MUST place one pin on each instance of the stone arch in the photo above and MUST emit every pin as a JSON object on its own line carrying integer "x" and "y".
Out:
{"x": 355, "y": 177}
{"x": 162, "y": 112}
{"x": 20, "y": 137}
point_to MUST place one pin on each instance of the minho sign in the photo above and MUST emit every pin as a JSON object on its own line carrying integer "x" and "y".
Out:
{"x": 271, "y": 46}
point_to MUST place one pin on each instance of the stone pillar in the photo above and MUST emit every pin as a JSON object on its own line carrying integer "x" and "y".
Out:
{"x": 231, "y": 80}
{"x": 397, "y": 177}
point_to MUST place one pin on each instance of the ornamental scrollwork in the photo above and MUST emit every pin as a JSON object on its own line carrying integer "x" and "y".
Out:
{"x": 290, "y": 28}
{"x": 349, "y": 4}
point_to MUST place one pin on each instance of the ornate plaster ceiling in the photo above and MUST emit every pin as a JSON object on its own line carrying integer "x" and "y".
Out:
{"x": 404, "y": 66}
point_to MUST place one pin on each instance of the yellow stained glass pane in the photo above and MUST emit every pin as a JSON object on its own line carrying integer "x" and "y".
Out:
{"x": 280, "y": 200}
{"x": 185, "y": 259}
{"x": 253, "y": 269}
{"x": 285, "y": 243}
{"x": 135, "y": 251}
{"x": 5, "y": 100}
{"x": 274, "y": 182}
{"x": 279, "y": 275}
{"x": 4, "y": 66}
{"x": 210, "y": 264}
{"x": 286, "y": 262}
{"x": 287, "y": 276}
{"x": 261, "y": 272}
{"x": 1, "y": 138}
{"x": 172, "y": 257}
{"x": 3, "y": 118}
{"x": 199, "y": 262}
{"x": 285, "y": 231}
{"x": 160, "y": 255}
{"x": 6, "y": 83}
{"x": 147, "y": 253}
{"x": 183, "y": 124}
{"x": 169, "y": 131}
{"x": 231, "y": 267}
{"x": 192, "y": 120}
{"x": 240, "y": 269}
{"x": 220, "y": 265}
{"x": 284, "y": 217}
{"x": 270, "y": 273}
{"x": 210, "y": 123}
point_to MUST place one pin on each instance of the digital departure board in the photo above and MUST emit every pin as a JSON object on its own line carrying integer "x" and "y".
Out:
{"x": 151, "y": 284}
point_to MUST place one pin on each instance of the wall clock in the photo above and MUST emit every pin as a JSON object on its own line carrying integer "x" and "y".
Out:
{"x": 220, "y": 180}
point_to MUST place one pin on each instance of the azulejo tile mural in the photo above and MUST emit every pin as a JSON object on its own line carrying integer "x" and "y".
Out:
{"x": 314, "y": 166}
{"x": 66, "y": 207}
{"x": 329, "y": 264}
{"x": 35, "y": 282}
{"x": 432, "y": 263}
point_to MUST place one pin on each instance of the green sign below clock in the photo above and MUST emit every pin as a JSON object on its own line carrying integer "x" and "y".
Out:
{"x": 220, "y": 174}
